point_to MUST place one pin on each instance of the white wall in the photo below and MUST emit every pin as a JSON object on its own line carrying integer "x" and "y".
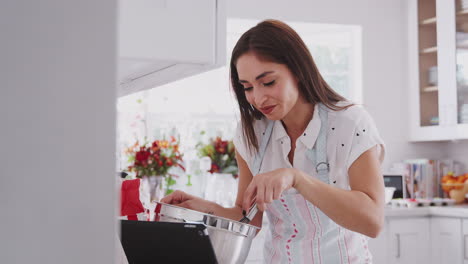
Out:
{"x": 57, "y": 131}
{"x": 459, "y": 151}
{"x": 384, "y": 59}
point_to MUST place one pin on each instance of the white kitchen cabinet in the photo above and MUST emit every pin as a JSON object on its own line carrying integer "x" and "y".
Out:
{"x": 438, "y": 69}
{"x": 446, "y": 238}
{"x": 161, "y": 41}
{"x": 465, "y": 240}
{"x": 408, "y": 241}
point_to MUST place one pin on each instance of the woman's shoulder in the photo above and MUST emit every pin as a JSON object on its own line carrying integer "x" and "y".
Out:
{"x": 352, "y": 113}
{"x": 240, "y": 139}
{"x": 258, "y": 126}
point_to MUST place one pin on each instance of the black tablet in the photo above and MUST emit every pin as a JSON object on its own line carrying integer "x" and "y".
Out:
{"x": 163, "y": 242}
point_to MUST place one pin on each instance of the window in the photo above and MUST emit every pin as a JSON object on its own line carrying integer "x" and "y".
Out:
{"x": 205, "y": 102}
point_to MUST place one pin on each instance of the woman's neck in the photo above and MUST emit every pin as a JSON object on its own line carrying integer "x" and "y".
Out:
{"x": 296, "y": 121}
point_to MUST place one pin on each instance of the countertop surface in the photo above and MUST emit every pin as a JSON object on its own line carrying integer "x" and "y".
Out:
{"x": 447, "y": 211}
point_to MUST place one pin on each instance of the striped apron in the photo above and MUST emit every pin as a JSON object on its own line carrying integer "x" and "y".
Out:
{"x": 299, "y": 232}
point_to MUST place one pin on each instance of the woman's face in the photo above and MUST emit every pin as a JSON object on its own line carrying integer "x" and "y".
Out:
{"x": 270, "y": 87}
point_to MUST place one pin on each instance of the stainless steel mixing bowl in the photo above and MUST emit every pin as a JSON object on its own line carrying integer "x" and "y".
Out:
{"x": 231, "y": 239}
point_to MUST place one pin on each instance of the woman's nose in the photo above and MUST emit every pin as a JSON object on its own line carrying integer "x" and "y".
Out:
{"x": 259, "y": 96}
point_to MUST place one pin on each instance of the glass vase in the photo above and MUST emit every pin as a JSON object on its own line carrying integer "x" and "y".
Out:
{"x": 152, "y": 188}
{"x": 151, "y": 191}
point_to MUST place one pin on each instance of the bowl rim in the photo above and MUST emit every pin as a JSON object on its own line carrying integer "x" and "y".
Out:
{"x": 208, "y": 215}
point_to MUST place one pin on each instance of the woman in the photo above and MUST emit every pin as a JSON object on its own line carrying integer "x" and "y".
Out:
{"x": 319, "y": 180}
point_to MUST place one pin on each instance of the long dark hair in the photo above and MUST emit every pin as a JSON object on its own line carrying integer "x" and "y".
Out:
{"x": 275, "y": 41}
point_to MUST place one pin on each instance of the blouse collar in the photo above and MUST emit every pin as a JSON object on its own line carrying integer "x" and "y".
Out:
{"x": 310, "y": 134}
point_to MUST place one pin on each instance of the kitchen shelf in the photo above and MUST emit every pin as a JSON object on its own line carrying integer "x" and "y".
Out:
{"x": 429, "y": 21}
{"x": 462, "y": 13}
{"x": 462, "y": 17}
{"x": 430, "y": 89}
{"x": 429, "y": 50}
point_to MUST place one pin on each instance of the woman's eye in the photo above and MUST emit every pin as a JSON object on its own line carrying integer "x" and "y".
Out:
{"x": 246, "y": 89}
{"x": 269, "y": 84}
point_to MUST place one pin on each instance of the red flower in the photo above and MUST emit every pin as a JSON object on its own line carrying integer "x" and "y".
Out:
{"x": 142, "y": 155}
{"x": 220, "y": 145}
{"x": 214, "y": 168}
{"x": 221, "y": 150}
{"x": 155, "y": 158}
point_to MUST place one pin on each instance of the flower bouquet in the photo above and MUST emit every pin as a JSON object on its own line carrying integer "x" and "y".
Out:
{"x": 222, "y": 155}
{"x": 155, "y": 159}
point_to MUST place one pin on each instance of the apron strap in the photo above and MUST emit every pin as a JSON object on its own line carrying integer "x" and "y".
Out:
{"x": 322, "y": 166}
{"x": 318, "y": 152}
{"x": 261, "y": 152}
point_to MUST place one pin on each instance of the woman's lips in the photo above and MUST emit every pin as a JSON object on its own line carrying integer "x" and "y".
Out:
{"x": 267, "y": 110}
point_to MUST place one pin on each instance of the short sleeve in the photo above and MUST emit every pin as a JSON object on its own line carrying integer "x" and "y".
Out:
{"x": 365, "y": 136}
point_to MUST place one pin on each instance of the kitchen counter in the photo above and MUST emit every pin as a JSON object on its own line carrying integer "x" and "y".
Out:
{"x": 447, "y": 211}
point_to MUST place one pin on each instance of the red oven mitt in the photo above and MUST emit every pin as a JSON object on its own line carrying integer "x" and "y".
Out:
{"x": 130, "y": 204}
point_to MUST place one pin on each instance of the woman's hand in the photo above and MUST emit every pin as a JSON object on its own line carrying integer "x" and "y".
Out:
{"x": 188, "y": 201}
{"x": 266, "y": 187}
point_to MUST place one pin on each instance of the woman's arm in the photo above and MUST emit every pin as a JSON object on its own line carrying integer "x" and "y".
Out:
{"x": 245, "y": 178}
{"x": 360, "y": 209}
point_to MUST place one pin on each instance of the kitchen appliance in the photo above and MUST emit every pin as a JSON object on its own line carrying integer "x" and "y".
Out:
{"x": 158, "y": 242}
{"x": 231, "y": 239}
{"x": 389, "y": 191}
{"x": 396, "y": 181}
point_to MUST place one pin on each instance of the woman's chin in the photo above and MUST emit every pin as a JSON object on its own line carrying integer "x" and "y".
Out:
{"x": 273, "y": 117}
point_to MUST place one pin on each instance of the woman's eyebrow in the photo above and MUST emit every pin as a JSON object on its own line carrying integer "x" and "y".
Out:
{"x": 259, "y": 76}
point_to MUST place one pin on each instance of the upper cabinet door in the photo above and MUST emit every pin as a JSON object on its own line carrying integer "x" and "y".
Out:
{"x": 459, "y": 107}
{"x": 161, "y": 41}
{"x": 168, "y": 30}
{"x": 435, "y": 97}
{"x": 426, "y": 117}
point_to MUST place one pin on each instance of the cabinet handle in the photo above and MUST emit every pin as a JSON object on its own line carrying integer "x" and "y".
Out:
{"x": 398, "y": 245}
{"x": 465, "y": 243}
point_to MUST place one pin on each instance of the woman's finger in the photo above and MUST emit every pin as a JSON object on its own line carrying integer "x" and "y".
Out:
{"x": 176, "y": 198}
{"x": 261, "y": 196}
{"x": 269, "y": 189}
{"x": 168, "y": 199}
{"x": 249, "y": 194}
{"x": 277, "y": 190}
{"x": 187, "y": 204}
